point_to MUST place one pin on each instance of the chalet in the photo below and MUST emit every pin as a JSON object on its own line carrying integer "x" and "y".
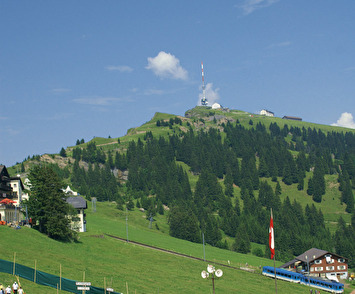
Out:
{"x": 10, "y": 196}
{"x": 320, "y": 263}
{"x": 78, "y": 223}
{"x": 292, "y": 118}
{"x": 266, "y": 112}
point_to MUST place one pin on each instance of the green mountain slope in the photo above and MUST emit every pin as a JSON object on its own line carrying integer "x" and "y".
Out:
{"x": 126, "y": 266}
{"x": 295, "y": 136}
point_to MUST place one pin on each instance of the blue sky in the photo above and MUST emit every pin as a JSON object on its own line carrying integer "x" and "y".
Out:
{"x": 84, "y": 69}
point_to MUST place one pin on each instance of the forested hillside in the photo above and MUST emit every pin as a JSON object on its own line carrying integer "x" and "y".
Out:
{"x": 217, "y": 178}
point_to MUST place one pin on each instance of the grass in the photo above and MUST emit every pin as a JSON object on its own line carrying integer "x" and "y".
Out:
{"x": 122, "y": 264}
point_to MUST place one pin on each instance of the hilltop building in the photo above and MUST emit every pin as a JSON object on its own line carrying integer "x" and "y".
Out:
{"x": 216, "y": 106}
{"x": 292, "y": 118}
{"x": 266, "y": 112}
{"x": 320, "y": 263}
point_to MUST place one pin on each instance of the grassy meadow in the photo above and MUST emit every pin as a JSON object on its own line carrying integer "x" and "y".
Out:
{"x": 125, "y": 266}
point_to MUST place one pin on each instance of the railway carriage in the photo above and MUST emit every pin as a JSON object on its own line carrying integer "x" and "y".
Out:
{"x": 282, "y": 274}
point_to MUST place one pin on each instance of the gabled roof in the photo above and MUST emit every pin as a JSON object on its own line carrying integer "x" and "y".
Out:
{"x": 312, "y": 254}
{"x": 292, "y": 117}
{"x": 267, "y": 111}
{"x": 77, "y": 202}
{"x": 3, "y": 172}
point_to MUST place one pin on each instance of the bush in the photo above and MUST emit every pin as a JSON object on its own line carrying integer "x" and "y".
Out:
{"x": 258, "y": 252}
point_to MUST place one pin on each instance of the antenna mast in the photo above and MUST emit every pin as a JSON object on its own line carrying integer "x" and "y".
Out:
{"x": 204, "y": 101}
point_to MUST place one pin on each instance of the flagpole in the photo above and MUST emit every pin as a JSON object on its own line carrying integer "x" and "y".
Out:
{"x": 275, "y": 276}
{"x": 272, "y": 245}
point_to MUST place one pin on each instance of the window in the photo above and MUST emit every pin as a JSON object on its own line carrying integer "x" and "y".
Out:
{"x": 318, "y": 261}
{"x": 319, "y": 268}
{"x": 341, "y": 267}
{"x": 330, "y": 268}
{"x": 342, "y": 260}
{"x": 312, "y": 269}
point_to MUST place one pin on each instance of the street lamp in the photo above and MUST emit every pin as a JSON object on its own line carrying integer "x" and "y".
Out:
{"x": 214, "y": 274}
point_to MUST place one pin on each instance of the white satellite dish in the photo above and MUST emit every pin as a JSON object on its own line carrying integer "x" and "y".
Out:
{"x": 204, "y": 274}
{"x": 210, "y": 269}
{"x": 219, "y": 273}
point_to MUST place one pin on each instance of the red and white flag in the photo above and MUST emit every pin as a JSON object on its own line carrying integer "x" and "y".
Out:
{"x": 271, "y": 237}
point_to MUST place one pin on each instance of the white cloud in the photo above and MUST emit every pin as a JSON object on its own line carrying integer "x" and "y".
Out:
{"x": 100, "y": 101}
{"x": 120, "y": 68}
{"x": 250, "y": 6}
{"x": 212, "y": 95}
{"x": 166, "y": 65}
{"x": 346, "y": 120}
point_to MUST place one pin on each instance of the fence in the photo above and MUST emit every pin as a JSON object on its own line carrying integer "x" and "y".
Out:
{"x": 42, "y": 278}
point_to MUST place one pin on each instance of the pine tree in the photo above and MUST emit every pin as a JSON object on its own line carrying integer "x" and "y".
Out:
{"x": 242, "y": 242}
{"x": 62, "y": 152}
{"x": 183, "y": 224}
{"x": 310, "y": 190}
{"x": 228, "y": 183}
{"x": 47, "y": 204}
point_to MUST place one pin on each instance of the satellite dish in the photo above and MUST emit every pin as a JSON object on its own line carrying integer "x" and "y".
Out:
{"x": 210, "y": 268}
{"x": 204, "y": 274}
{"x": 219, "y": 273}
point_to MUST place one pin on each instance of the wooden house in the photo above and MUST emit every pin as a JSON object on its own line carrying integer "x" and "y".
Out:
{"x": 320, "y": 263}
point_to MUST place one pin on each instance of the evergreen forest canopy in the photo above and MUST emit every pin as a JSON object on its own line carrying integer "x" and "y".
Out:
{"x": 225, "y": 158}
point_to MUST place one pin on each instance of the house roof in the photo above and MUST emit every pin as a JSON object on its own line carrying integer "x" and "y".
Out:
{"x": 312, "y": 254}
{"x": 77, "y": 202}
{"x": 267, "y": 111}
{"x": 292, "y": 117}
{"x": 3, "y": 173}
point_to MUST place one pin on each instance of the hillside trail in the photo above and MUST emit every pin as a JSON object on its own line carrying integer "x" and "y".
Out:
{"x": 246, "y": 268}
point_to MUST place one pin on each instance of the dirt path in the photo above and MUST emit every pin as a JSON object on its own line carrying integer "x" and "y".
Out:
{"x": 181, "y": 254}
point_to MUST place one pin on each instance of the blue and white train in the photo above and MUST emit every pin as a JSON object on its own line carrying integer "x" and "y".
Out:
{"x": 282, "y": 274}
